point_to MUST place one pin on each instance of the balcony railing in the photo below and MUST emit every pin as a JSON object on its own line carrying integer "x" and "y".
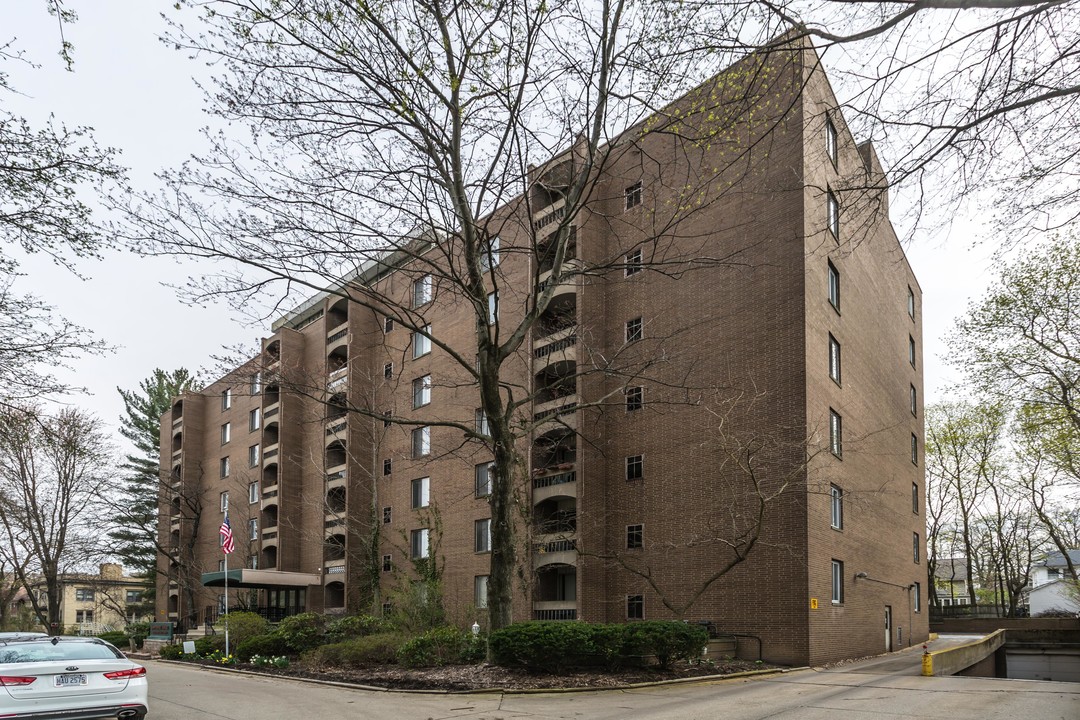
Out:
{"x": 270, "y": 453}
{"x": 269, "y": 535}
{"x": 272, "y": 411}
{"x": 334, "y": 337}
{"x": 267, "y": 494}
{"x": 556, "y": 546}
{"x": 561, "y": 410}
{"x": 555, "y": 614}
{"x": 552, "y": 214}
{"x": 178, "y": 421}
{"x": 336, "y": 428}
{"x": 339, "y": 475}
{"x": 544, "y": 350}
{"x": 335, "y": 570}
{"x": 549, "y": 480}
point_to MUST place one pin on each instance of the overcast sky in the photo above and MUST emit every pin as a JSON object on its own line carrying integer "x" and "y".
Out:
{"x": 139, "y": 96}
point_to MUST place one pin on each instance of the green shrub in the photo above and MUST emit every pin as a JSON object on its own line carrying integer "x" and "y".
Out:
{"x": 552, "y": 646}
{"x": 171, "y": 652}
{"x": 379, "y": 649}
{"x": 302, "y": 632}
{"x": 352, "y": 626}
{"x": 242, "y": 625}
{"x": 137, "y": 632}
{"x": 668, "y": 640}
{"x": 269, "y": 645}
{"x": 440, "y": 646}
{"x": 209, "y": 644}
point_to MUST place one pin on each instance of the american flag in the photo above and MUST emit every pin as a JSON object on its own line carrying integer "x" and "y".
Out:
{"x": 226, "y": 536}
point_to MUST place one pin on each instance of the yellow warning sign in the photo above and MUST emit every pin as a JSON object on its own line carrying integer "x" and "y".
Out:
{"x": 813, "y": 603}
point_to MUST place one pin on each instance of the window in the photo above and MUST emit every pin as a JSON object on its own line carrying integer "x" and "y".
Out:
{"x": 253, "y": 529}
{"x": 226, "y": 400}
{"x": 830, "y": 141}
{"x": 483, "y": 479}
{"x": 911, "y": 350}
{"x": 253, "y": 420}
{"x": 418, "y": 544}
{"x": 421, "y": 391}
{"x": 635, "y": 607}
{"x": 492, "y": 308}
{"x": 915, "y": 498}
{"x": 481, "y": 422}
{"x": 836, "y": 433}
{"x": 489, "y": 258}
{"x": 421, "y": 342}
{"x": 834, "y": 359}
{"x": 421, "y": 291}
{"x": 834, "y": 287}
{"x": 633, "y": 262}
{"x": 225, "y": 467}
{"x": 482, "y": 535}
{"x": 914, "y": 398}
{"x": 633, "y": 195}
{"x": 388, "y": 325}
{"x": 223, "y": 501}
{"x": 388, "y": 371}
{"x": 253, "y": 562}
{"x": 837, "y": 582}
{"x": 635, "y": 467}
{"x": 914, "y": 449}
{"x": 84, "y": 616}
{"x": 918, "y": 597}
{"x": 633, "y": 330}
{"x": 256, "y": 383}
{"x": 421, "y": 442}
{"x": 387, "y": 563}
{"x": 635, "y": 537}
{"x": 910, "y": 303}
{"x": 132, "y": 597}
{"x": 915, "y": 547}
{"x": 226, "y": 433}
{"x": 387, "y": 466}
{"x": 837, "y": 499}
{"x": 635, "y": 398}
{"x": 253, "y": 492}
{"x": 387, "y": 515}
{"x": 480, "y": 585}
{"x": 253, "y": 455}
{"x": 387, "y": 608}
{"x": 834, "y": 215}
{"x": 421, "y": 493}
{"x": 84, "y": 594}
{"x": 221, "y": 565}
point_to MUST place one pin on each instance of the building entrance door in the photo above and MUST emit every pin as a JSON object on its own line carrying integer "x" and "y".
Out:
{"x": 888, "y": 628}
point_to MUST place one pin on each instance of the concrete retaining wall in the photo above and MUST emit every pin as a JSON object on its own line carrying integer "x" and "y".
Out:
{"x": 953, "y": 660}
{"x": 989, "y": 625}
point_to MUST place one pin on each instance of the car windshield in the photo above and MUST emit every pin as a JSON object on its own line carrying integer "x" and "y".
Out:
{"x": 46, "y": 651}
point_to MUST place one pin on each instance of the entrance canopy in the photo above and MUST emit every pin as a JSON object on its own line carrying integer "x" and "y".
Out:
{"x": 246, "y": 578}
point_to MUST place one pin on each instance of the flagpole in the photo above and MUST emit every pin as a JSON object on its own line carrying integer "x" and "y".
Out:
{"x": 226, "y": 591}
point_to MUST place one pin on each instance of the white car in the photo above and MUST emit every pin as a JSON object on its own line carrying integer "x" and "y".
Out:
{"x": 69, "y": 677}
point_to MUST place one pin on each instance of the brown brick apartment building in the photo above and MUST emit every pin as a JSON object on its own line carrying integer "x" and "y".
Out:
{"x": 724, "y": 419}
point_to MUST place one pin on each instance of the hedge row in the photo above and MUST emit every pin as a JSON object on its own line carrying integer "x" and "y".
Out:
{"x": 555, "y": 646}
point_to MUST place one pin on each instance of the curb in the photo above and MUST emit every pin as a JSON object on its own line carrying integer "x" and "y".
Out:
{"x": 491, "y": 691}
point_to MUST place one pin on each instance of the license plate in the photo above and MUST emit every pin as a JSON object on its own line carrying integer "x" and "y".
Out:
{"x": 69, "y": 680}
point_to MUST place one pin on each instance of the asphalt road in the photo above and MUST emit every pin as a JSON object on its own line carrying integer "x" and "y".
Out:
{"x": 881, "y": 688}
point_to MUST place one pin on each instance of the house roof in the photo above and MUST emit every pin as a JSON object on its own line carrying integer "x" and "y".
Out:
{"x": 1057, "y": 559}
{"x": 953, "y": 569}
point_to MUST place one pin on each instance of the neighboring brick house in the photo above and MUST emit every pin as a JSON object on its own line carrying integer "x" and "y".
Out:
{"x": 643, "y": 481}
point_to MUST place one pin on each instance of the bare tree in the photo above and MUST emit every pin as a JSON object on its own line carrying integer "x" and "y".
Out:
{"x": 54, "y": 470}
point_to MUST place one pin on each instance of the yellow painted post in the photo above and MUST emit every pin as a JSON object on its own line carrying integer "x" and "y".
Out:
{"x": 927, "y": 663}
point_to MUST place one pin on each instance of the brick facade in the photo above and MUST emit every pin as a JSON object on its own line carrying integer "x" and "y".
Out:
{"x": 734, "y": 370}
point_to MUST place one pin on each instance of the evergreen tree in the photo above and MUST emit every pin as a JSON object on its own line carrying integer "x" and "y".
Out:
{"x": 135, "y": 540}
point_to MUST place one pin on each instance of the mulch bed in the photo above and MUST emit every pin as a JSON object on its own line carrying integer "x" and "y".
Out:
{"x": 457, "y": 678}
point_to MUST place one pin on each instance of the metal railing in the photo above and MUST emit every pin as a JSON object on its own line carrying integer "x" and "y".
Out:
{"x": 554, "y": 614}
{"x": 544, "y": 350}
{"x": 561, "y": 410}
{"x": 549, "y": 480}
{"x": 337, "y": 336}
{"x": 556, "y": 546}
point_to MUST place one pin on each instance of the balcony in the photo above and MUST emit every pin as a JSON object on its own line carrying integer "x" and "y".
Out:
{"x": 270, "y": 454}
{"x": 558, "y": 347}
{"x": 338, "y": 379}
{"x": 177, "y": 422}
{"x": 334, "y": 567}
{"x": 337, "y": 336}
{"x": 568, "y": 283}
{"x": 336, "y": 426}
{"x": 335, "y": 479}
{"x": 555, "y": 610}
{"x": 549, "y": 215}
{"x": 271, "y": 410}
{"x": 563, "y": 410}
{"x": 561, "y": 484}
{"x": 554, "y": 549}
